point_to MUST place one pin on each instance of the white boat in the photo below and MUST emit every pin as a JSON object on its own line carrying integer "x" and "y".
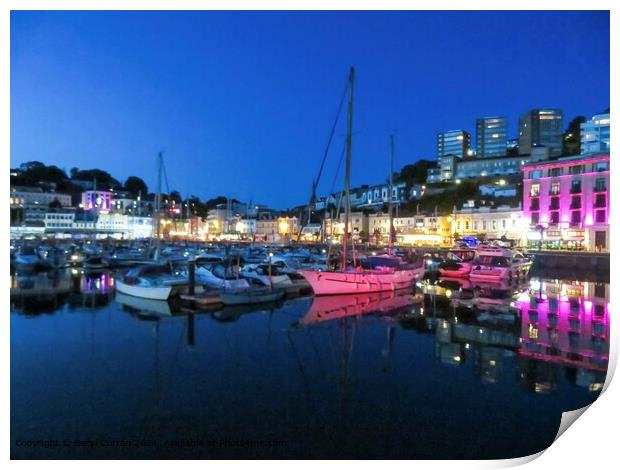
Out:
{"x": 151, "y": 282}
{"x": 493, "y": 264}
{"x": 458, "y": 262}
{"x": 260, "y": 274}
{"x": 216, "y": 276}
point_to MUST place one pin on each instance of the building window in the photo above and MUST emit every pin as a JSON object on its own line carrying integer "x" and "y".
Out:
{"x": 575, "y": 186}
{"x": 575, "y": 202}
{"x": 555, "y": 172}
{"x": 535, "y": 190}
{"x": 600, "y": 201}
{"x": 504, "y": 224}
{"x": 535, "y": 174}
{"x": 575, "y": 218}
{"x": 555, "y": 189}
{"x": 554, "y": 217}
{"x": 576, "y": 169}
{"x": 600, "y": 216}
{"x": 600, "y": 166}
{"x": 494, "y": 223}
{"x": 600, "y": 185}
{"x": 554, "y": 203}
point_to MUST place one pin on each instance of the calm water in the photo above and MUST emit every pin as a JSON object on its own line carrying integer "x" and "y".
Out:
{"x": 437, "y": 374}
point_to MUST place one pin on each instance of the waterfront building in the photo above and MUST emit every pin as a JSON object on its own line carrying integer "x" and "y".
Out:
{"x": 311, "y": 233}
{"x": 595, "y": 134}
{"x": 541, "y": 127}
{"x": 447, "y": 166}
{"x": 246, "y": 228}
{"x": 124, "y": 226}
{"x": 433, "y": 175}
{"x": 97, "y": 201}
{"x": 491, "y": 137}
{"x": 422, "y": 229}
{"x": 277, "y": 229}
{"x": 499, "y": 166}
{"x": 29, "y": 204}
{"x": 566, "y": 202}
{"x": 499, "y": 189}
{"x": 491, "y": 223}
{"x": 456, "y": 142}
{"x": 358, "y": 226}
{"x": 59, "y": 221}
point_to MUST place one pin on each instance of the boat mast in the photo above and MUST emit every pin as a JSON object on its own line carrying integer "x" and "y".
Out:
{"x": 158, "y": 204}
{"x": 347, "y": 176}
{"x": 390, "y": 208}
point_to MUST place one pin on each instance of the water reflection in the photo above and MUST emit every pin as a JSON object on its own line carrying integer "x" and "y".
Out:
{"x": 34, "y": 293}
{"x": 452, "y": 358}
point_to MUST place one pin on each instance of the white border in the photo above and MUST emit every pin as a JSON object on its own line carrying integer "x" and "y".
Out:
{"x": 590, "y": 444}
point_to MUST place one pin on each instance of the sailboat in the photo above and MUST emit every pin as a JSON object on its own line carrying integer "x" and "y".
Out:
{"x": 154, "y": 280}
{"x": 378, "y": 273}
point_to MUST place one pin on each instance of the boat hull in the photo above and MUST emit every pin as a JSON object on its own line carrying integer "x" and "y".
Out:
{"x": 245, "y": 298}
{"x": 355, "y": 282}
{"x": 153, "y": 293}
{"x": 462, "y": 271}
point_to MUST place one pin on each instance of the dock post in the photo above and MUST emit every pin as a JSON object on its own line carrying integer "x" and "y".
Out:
{"x": 192, "y": 276}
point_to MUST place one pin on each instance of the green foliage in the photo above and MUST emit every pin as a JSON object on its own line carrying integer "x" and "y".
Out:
{"x": 416, "y": 173}
{"x": 135, "y": 186}
{"x": 571, "y": 141}
{"x": 103, "y": 178}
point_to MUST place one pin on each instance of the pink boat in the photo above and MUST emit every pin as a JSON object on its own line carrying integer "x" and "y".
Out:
{"x": 380, "y": 278}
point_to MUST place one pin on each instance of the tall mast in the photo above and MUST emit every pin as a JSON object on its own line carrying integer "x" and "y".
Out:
{"x": 347, "y": 176}
{"x": 158, "y": 204}
{"x": 390, "y": 209}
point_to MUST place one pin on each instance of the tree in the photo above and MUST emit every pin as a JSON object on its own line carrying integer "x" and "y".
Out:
{"x": 176, "y": 196}
{"x": 55, "y": 204}
{"x": 416, "y": 173}
{"x": 571, "y": 141}
{"x": 136, "y": 186}
{"x": 104, "y": 179}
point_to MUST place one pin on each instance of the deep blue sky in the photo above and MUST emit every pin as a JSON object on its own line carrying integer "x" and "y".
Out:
{"x": 242, "y": 102}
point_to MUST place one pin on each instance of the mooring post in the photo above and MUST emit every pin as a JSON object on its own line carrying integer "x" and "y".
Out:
{"x": 192, "y": 276}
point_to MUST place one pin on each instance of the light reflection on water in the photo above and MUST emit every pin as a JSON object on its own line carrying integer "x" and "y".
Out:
{"x": 375, "y": 375}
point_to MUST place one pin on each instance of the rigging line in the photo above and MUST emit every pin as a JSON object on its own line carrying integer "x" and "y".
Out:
{"x": 344, "y": 147}
{"x": 331, "y": 135}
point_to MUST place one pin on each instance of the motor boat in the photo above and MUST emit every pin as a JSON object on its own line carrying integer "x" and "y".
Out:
{"x": 494, "y": 263}
{"x": 458, "y": 262}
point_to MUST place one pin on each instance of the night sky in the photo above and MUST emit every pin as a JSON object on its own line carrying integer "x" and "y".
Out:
{"x": 242, "y": 103}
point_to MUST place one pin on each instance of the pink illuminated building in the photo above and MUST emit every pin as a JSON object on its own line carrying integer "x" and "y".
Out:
{"x": 566, "y": 202}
